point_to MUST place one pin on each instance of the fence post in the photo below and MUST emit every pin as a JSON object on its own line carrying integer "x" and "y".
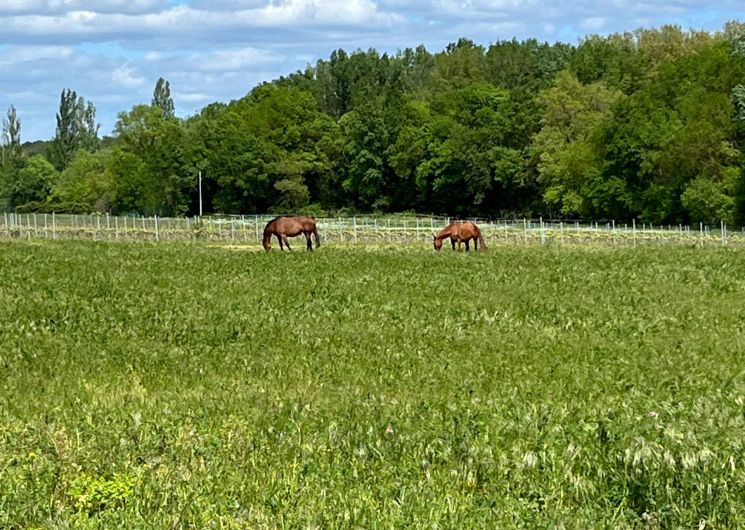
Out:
{"x": 722, "y": 228}
{"x": 354, "y": 226}
{"x": 525, "y": 230}
{"x": 633, "y": 222}
{"x": 157, "y": 229}
{"x": 54, "y": 227}
{"x": 701, "y": 233}
{"x": 341, "y": 232}
{"x": 98, "y": 224}
{"x": 543, "y": 233}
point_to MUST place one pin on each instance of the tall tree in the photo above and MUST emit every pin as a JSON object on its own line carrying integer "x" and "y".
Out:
{"x": 162, "y": 98}
{"x": 11, "y": 141}
{"x": 76, "y": 129}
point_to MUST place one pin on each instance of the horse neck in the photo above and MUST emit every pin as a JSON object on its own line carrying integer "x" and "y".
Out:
{"x": 269, "y": 231}
{"x": 445, "y": 232}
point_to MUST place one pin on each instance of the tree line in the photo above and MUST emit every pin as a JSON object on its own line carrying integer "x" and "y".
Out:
{"x": 648, "y": 125}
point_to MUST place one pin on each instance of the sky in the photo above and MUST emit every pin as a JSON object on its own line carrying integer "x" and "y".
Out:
{"x": 112, "y": 52}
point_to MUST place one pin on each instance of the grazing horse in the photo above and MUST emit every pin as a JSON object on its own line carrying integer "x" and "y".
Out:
{"x": 458, "y": 233}
{"x": 284, "y": 227}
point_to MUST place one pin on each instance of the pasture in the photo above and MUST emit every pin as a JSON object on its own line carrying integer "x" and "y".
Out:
{"x": 187, "y": 386}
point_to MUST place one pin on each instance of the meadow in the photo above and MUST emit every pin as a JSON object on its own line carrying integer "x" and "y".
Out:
{"x": 181, "y": 385}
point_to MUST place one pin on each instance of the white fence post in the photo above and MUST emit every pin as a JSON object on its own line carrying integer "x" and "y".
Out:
{"x": 722, "y": 228}
{"x": 543, "y": 232}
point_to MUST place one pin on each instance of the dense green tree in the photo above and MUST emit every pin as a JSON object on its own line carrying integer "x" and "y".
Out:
{"x": 568, "y": 163}
{"x": 647, "y": 124}
{"x": 11, "y": 137}
{"x": 154, "y": 147}
{"x": 76, "y": 129}
{"x": 87, "y": 182}
{"x": 162, "y": 98}
{"x": 31, "y": 181}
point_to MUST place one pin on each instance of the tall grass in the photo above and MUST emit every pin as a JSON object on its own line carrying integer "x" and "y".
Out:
{"x": 180, "y": 386}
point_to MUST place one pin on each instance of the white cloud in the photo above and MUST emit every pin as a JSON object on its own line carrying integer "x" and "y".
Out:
{"x": 19, "y": 55}
{"x": 184, "y": 20}
{"x": 112, "y": 51}
{"x": 230, "y": 60}
{"x": 126, "y": 75}
{"x": 593, "y": 23}
{"x": 63, "y": 6}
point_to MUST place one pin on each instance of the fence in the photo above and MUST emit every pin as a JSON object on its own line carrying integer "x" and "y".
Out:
{"x": 247, "y": 229}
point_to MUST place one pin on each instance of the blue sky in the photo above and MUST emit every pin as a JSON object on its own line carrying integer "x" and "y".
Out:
{"x": 113, "y": 51}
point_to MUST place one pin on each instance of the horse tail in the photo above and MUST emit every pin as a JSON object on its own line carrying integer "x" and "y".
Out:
{"x": 315, "y": 235}
{"x": 482, "y": 242}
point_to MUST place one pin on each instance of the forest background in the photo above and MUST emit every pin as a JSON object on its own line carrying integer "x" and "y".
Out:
{"x": 646, "y": 125}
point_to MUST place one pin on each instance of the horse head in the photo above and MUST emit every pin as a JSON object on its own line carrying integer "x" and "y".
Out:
{"x": 437, "y": 242}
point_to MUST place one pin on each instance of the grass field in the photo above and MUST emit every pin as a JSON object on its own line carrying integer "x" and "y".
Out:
{"x": 188, "y": 386}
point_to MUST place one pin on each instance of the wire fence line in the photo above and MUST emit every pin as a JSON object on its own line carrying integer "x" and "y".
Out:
{"x": 247, "y": 229}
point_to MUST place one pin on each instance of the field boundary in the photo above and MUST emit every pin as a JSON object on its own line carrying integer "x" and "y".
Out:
{"x": 247, "y": 229}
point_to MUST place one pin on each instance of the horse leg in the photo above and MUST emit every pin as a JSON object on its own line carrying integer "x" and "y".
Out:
{"x": 308, "y": 242}
{"x": 475, "y": 245}
{"x": 287, "y": 243}
{"x": 467, "y": 241}
{"x": 452, "y": 242}
{"x": 281, "y": 246}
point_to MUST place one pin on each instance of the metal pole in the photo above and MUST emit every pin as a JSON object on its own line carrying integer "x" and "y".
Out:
{"x": 200, "y": 193}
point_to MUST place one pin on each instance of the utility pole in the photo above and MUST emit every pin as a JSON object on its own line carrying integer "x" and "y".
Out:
{"x": 200, "y": 193}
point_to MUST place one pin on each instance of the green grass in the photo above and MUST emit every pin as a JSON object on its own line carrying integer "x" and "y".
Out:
{"x": 187, "y": 386}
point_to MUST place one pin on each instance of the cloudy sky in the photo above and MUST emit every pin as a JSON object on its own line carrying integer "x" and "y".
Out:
{"x": 112, "y": 51}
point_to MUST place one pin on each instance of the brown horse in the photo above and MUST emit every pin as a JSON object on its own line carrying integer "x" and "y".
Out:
{"x": 284, "y": 227}
{"x": 458, "y": 233}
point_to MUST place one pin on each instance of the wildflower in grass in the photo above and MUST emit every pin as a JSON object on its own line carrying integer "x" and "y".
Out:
{"x": 389, "y": 429}
{"x": 653, "y": 414}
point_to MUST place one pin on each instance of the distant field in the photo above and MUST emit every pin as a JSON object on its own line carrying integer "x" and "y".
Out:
{"x": 195, "y": 386}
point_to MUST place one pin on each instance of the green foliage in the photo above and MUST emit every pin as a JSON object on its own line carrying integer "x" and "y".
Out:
{"x": 162, "y": 98}
{"x": 76, "y": 129}
{"x": 709, "y": 201}
{"x": 27, "y": 180}
{"x": 87, "y": 181}
{"x": 569, "y": 162}
{"x": 91, "y": 494}
{"x": 11, "y": 137}
{"x": 149, "y": 163}
{"x": 648, "y": 124}
{"x": 188, "y": 386}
